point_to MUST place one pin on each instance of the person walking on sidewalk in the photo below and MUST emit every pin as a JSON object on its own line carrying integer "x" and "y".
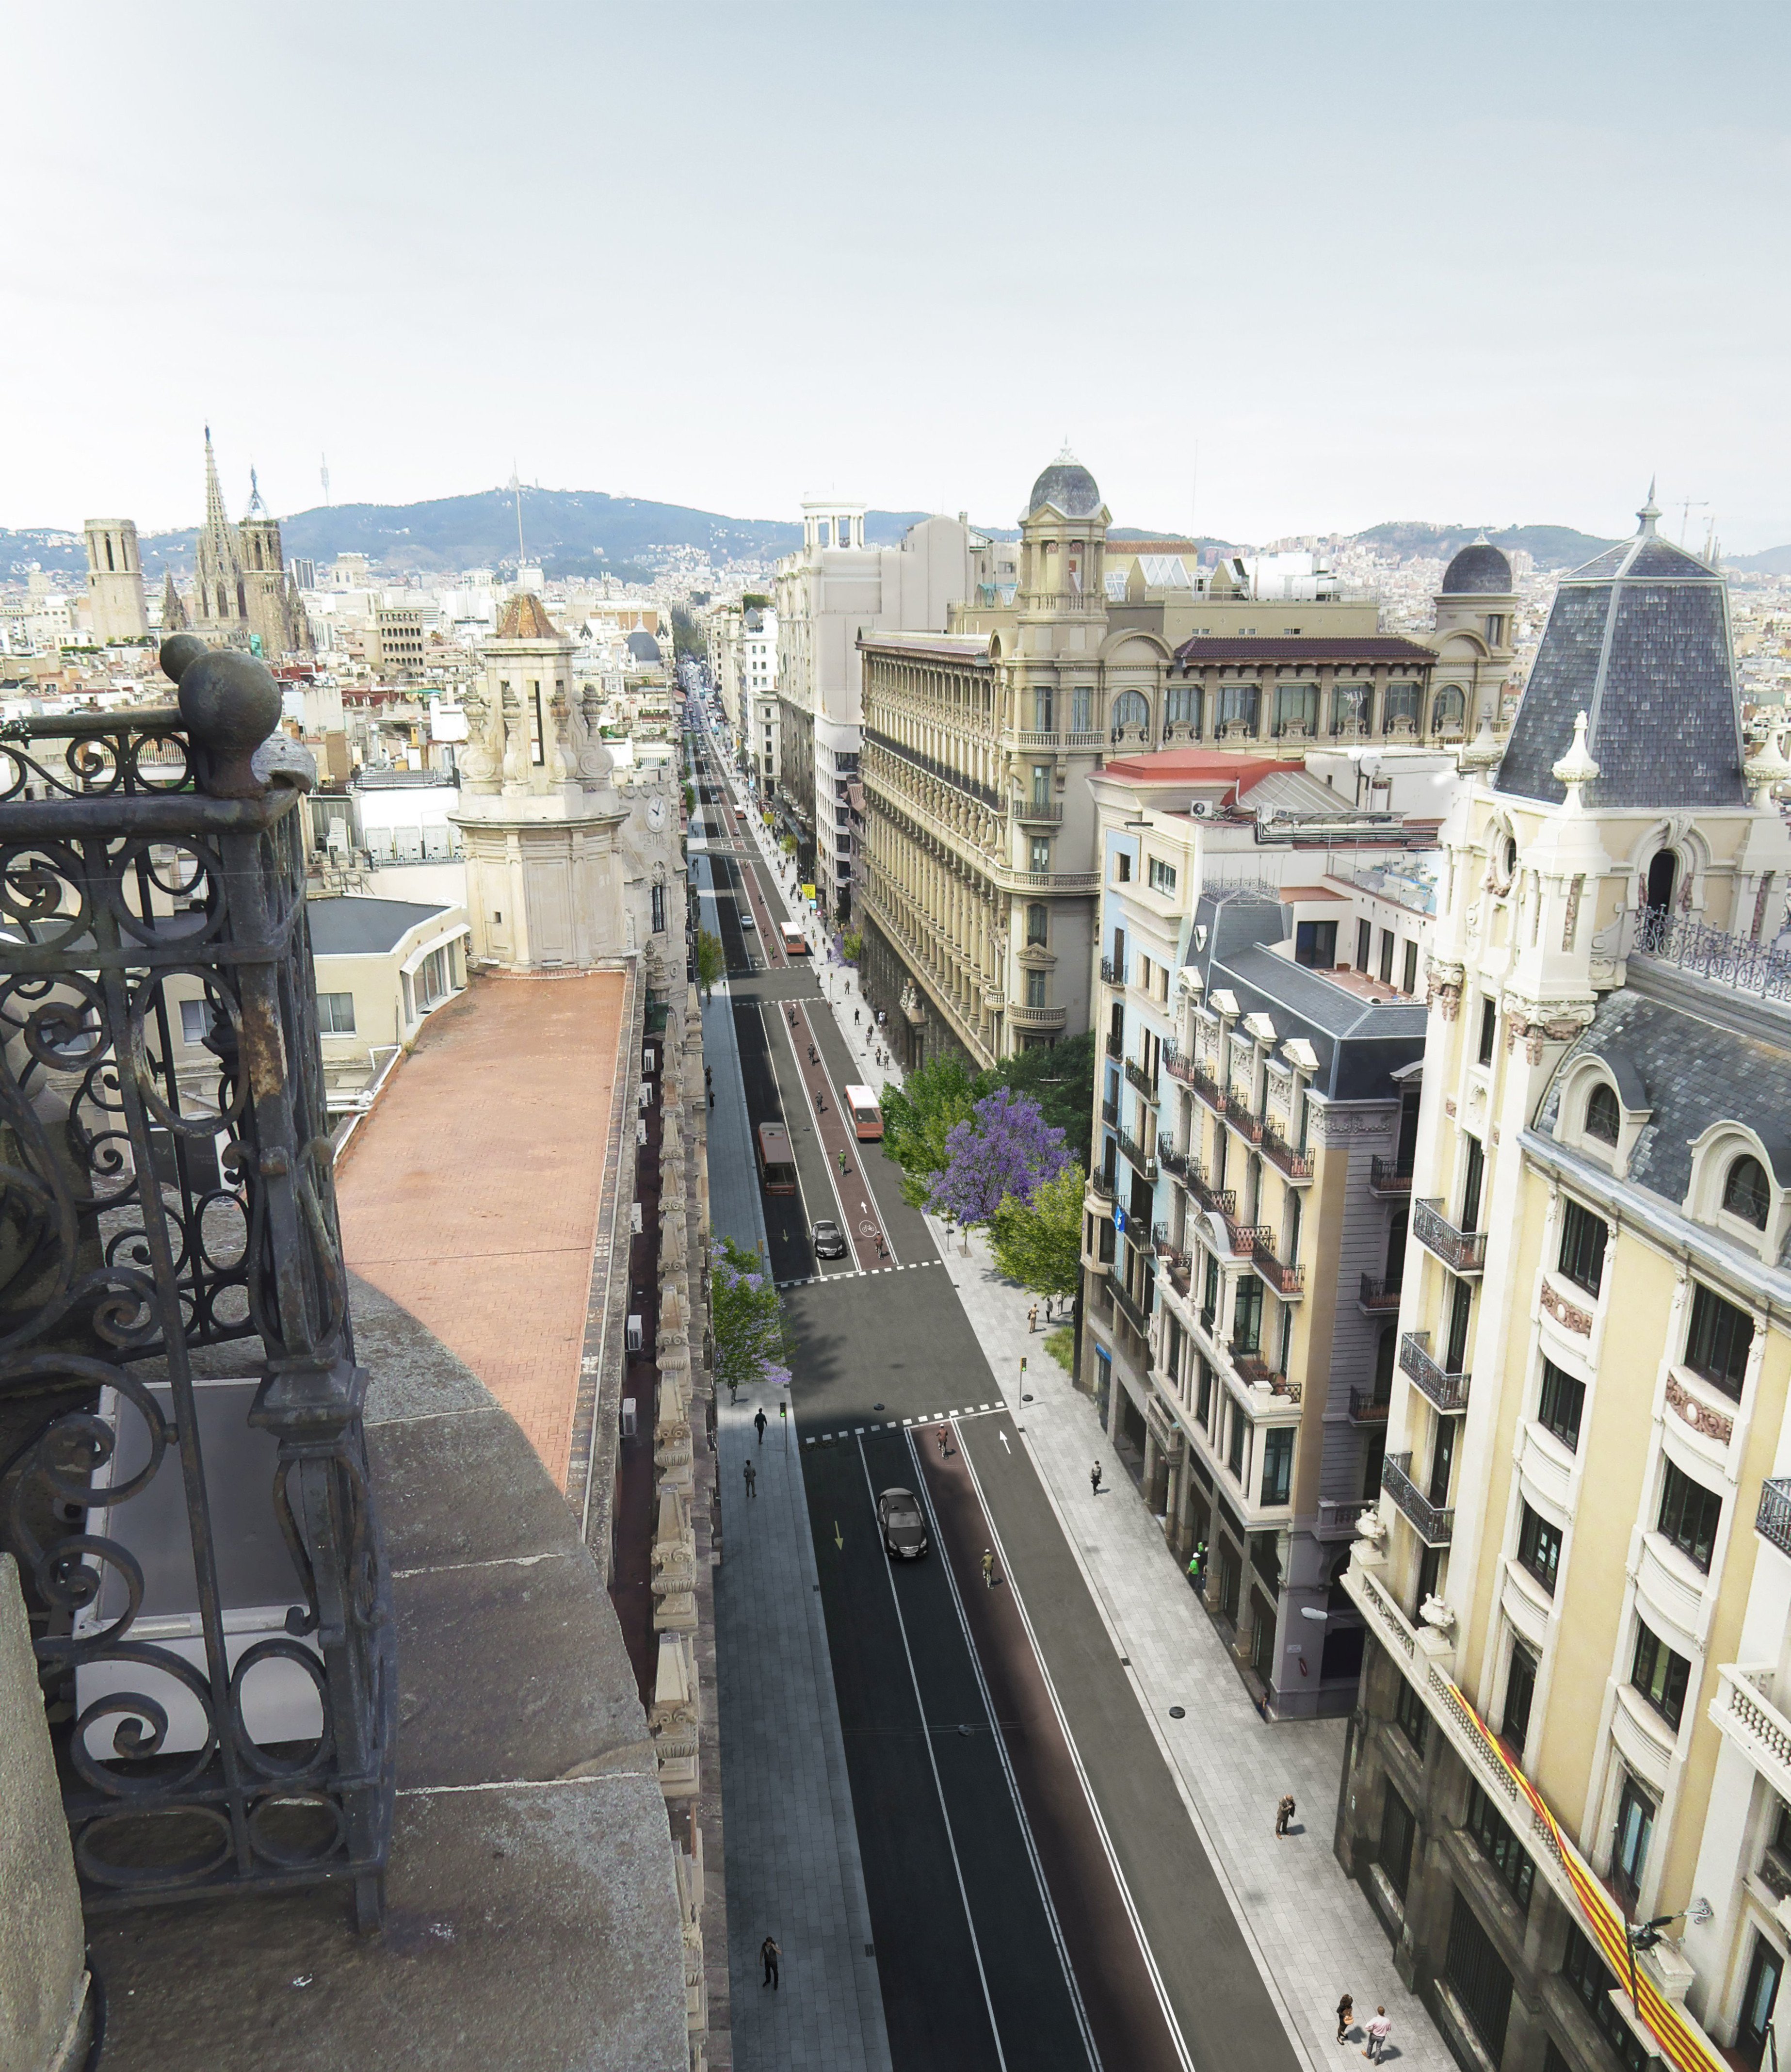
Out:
{"x": 769, "y": 1954}
{"x": 1032, "y": 1320}
{"x": 1196, "y": 1562}
{"x": 759, "y": 1423}
{"x": 752, "y": 1479}
{"x": 989, "y": 1569}
{"x": 1094, "y": 1479}
{"x": 1379, "y": 2029}
{"x": 1346, "y": 2015}
{"x": 1284, "y": 1813}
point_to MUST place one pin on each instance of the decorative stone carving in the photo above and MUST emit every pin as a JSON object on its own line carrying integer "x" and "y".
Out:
{"x": 674, "y": 1580}
{"x": 1442, "y": 983}
{"x": 675, "y": 1720}
{"x": 1371, "y": 1528}
{"x": 1566, "y": 1314}
{"x": 480, "y": 759}
{"x": 1438, "y": 1616}
{"x": 1701, "y": 1419}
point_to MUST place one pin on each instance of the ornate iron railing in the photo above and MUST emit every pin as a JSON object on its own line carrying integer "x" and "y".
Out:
{"x": 1136, "y": 1153}
{"x": 1100, "y": 1183}
{"x": 1433, "y": 1524}
{"x": 1285, "y": 1279}
{"x": 1772, "y": 1520}
{"x": 1137, "y": 1076}
{"x": 201, "y": 1554}
{"x": 1172, "y": 1160}
{"x": 1465, "y": 1250}
{"x": 1389, "y": 1176}
{"x": 1713, "y": 953}
{"x": 1136, "y": 1314}
{"x": 1446, "y": 1388}
{"x": 1378, "y": 1295}
{"x": 1296, "y": 1165}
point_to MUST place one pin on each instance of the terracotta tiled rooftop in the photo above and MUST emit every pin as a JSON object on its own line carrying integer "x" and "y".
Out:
{"x": 470, "y": 1195}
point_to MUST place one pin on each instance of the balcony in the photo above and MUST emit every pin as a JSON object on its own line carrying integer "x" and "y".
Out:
{"x": 1378, "y": 1298}
{"x": 1135, "y": 1152}
{"x": 1115, "y": 1045}
{"x": 1216, "y": 1201}
{"x": 1142, "y": 1080}
{"x": 1011, "y": 879}
{"x": 1742, "y": 1709}
{"x": 1772, "y": 1520}
{"x": 1434, "y": 1527}
{"x": 1237, "y": 1111}
{"x": 1042, "y": 812}
{"x": 1255, "y": 1371}
{"x": 1021, "y": 1016}
{"x": 1062, "y": 603}
{"x": 1110, "y": 1113}
{"x": 1112, "y": 973}
{"x": 1173, "y": 1162}
{"x": 1178, "y": 1064}
{"x": 1209, "y": 1090}
{"x": 1294, "y": 1165}
{"x": 1138, "y": 1318}
{"x": 1445, "y": 1388}
{"x": 1391, "y": 1178}
{"x": 1100, "y": 1184}
{"x": 1465, "y": 1251}
{"x": 1289, "y": 1282}
{"x": 1368, "y": 1406}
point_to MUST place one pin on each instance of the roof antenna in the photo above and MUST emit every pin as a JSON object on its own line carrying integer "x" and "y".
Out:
{"x": 516, "y": 490}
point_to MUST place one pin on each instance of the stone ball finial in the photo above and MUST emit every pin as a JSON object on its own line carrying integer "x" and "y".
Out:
{"x": 179, "y": 653}
{"x": 230, "y": 704}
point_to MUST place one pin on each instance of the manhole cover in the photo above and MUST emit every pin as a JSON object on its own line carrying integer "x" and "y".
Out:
{"x": 1177, "y": 1712}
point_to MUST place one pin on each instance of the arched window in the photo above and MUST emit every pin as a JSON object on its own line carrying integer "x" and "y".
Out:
{"x": 1745, "y": 1193}
{"x": 1181, "y": 706}
{"x": 1132, "y": 714}
{"x": 1603, "y": 1117}
{"x": 1663, "y": 874}
{"x": 1449, "y": 714}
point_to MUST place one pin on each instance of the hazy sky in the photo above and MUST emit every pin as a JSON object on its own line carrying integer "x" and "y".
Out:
{"x": 1492, "y": 263}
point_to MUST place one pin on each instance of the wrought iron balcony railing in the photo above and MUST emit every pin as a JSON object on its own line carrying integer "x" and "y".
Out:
{"x": 1173, "y": 1161}
{"x": 1772, "y": 1520}
{"x": 1248, "y": 1126}
{"x": 1369, "y": 1406}
{"x": 1447, "y": 1389}
{"x": 152, "y": 870}
{"x": 1110, "y": 1113}
{"x": 1044, "y": 811}
{"x": 1464, "y": 1251}
{"x": 1390, "y": 1176}
{"x": 1115, "y": 1045}
{"x": 1136, "y": 1153}
{"x": 1434, "y": 1525}
{"x": 1101, "y": 1184}
{"x": 1142, "y": 1080}
{"x": 1377, "y": 1297}
{"x": 1216, "y": 1201}
{"x": 1178, "y": 1064}
{"x": 1287, "y": 1281}
{"x": 1112, "y": 973}
{"x": 1296, "y": 1165}
{"x": 1136, "y": 1314}
{"x": 1209, "y": 1089}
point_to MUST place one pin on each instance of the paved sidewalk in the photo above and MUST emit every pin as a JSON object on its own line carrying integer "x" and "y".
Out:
{"x": 793, "y": 1865}
{"x": 1313, "y": 1931}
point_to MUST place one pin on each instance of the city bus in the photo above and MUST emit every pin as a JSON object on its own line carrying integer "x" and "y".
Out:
{"x": 867, "y": 1117}
{"x": 795, "y": 943}
{"x": 777, "y": 1163}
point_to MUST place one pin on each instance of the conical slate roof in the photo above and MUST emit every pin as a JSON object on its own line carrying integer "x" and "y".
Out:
{"x": 1479, "y": 570}
{"x": 1638, "y": 640}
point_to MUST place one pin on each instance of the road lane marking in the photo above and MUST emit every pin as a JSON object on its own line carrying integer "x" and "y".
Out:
{"x": 1126, "y": 1900}
{"x": 926, "y": 1738}
{"x": 1007, "y": 1767}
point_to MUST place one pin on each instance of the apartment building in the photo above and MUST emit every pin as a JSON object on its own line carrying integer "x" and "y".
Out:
{"x": 836, "y": 588}
{"x": 1245, "y": 1226}
{"x": 743, "y": 667}
{"x": 1568, "y": 1790}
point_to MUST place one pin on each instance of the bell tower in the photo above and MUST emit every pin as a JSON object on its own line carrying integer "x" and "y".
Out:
{"x": 115, "y": 580}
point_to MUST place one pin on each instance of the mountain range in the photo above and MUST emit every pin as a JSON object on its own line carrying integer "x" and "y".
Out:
{"x": 573, "y": 533}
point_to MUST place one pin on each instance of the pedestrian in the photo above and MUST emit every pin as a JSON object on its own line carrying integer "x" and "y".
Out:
{"x": 752, "y": 1480}
{"x": 1032, "y": 1320}
{"x": 758, "y": 1422}
{"x": 855, "y": 1017}
{"x": 1196, "y": 1562}
{"x": 820, "y": 1103}
{"x": 1379, "y": 2029}
{"x": 1283, "y": 1812}
{"x": 989, "y": 1569}
{"x": 811, "y": 1054}
{"x": 768, "y": 1953}
{"x": 945, "y": 1444}
{"x": 1094, "y": 1479}
{"x": 1346, "y": 2015}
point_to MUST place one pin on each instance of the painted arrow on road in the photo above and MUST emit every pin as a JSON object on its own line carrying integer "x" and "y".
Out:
{"x": 839, "y": 1537}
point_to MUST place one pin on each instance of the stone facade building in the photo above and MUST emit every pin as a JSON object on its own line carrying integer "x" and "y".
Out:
{"x": 1576, "y": 1582}
{"x": 242, "y": 595}
{"x": 115, "y": 580}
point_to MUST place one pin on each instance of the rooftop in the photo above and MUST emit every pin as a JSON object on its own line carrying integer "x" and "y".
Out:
{"x": 1313, "y": 650}
{"x": 1197, "y": 765}
{"x": 352, "y": 927}
{"x": 525, "y": 619}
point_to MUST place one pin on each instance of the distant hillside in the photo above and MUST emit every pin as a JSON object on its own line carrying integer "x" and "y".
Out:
{"x": 1550, "y": 546}
{"x": 1775, "y": 562}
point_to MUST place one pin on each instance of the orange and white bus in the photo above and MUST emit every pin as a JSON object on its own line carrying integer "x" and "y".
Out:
{"x": 867, "y": 1117}
{"x": 795, "y": 943}
{"x": 776, "y": 1162}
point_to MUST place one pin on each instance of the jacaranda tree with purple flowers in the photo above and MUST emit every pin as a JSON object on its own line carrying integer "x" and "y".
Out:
{"x": 1004, "y": 1147}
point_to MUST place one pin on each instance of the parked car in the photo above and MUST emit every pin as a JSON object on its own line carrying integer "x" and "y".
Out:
{"x": 830, "y": 1240}
{"x": 903, "y": 1523}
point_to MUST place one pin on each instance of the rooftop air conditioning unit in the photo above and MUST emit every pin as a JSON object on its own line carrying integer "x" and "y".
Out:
{"x": 635, "y": 1340}
{"x": 638, "y": 1226}
{"x": 628, "y": 1425}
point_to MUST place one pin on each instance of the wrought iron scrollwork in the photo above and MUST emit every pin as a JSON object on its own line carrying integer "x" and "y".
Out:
{"x": 165, "y": 1189}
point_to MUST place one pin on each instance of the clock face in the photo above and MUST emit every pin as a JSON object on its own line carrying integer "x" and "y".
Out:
{"x": 655, "y": 814}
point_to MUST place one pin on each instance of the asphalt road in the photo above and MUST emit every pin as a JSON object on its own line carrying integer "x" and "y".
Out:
{"x": 1038, "y": 1895}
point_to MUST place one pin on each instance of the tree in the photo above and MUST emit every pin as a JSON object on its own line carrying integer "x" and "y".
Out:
{"x": 852, "y": 943}
{"x": 712, "y": 961}
{"x": 1004, "y": 1147}
{"x": 1038, "y": 1242}
{"x": 919, "y": 1116}
{"x": 752, "y": 1348}
{"x": 1061, "y": 1079}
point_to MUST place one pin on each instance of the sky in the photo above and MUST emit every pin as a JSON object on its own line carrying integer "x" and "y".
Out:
{"x": 1268, "y": 269}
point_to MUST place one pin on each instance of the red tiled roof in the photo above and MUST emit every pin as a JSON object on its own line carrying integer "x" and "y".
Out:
{"x": 1317, "y": 649}
{"x": 1197, "y": 765}
{"x": 525, "y": 619}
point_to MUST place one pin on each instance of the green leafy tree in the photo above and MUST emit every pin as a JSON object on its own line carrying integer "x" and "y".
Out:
{"x": 1038, "y": 1242}
{"x": 919, "y": 1117}
{"x": 851, "y": 946}
{"x": 711, "y": 962}
{"x": 752, "y": 1347}
{"x": 1060, "y": 1079}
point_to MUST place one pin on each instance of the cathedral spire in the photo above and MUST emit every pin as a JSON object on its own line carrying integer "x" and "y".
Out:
{"x": 174, "y": 612}
{"x": 216, "y": 516}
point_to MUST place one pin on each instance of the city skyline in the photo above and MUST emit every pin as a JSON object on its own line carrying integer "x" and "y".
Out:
{"x": 1341, "y": 276}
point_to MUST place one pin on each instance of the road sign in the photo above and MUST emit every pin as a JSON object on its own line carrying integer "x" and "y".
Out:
{"x": 1118, "y": 1219}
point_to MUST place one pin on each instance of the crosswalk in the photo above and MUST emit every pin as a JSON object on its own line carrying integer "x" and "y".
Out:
{"x": 860, "y": 1273}
{"x": 926, "y": 1417}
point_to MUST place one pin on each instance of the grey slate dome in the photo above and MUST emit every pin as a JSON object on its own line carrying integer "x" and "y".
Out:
{"x": 643, "y": 647}
{"x": 1067, "y": 487}
{"x": 1638, "y": 640}
{"x": 1478, "y": 571}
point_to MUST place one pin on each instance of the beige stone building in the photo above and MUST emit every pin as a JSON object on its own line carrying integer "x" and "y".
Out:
{"x": 1575, "y": 1581}
{"x": 242, "y": 595}
{"x": 115, "y": 580}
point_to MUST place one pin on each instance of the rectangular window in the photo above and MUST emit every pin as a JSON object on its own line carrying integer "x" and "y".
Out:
{"x": 1409, "y": 984}
{"x": 1489, "y": 1029}
{"x": 195, "y": 1022}
{"x": 1520, "y": 1694}
{"x": 1478, "y": 1974}
{"x": 1499, "y": 1846}
{"x": 1583, "y": 1236}
{"x": 1689, "y": 1514}
{"x": 1081, "y": 710}
{"x": 1473, "y": 1175}
{"x": 1035, "y": 989}
{"x": 335, "y": 1014}
{"x": 1660, "y": 1676}
{"x": 1563, "y": 1401}
{"x": 1277, "y": 1464}
{"x": 1041, "y": 853}
{"x": 1397, "y": 1829}
{"x": 1387, "y": 945}
{"x": 1162, "y": 877}
{"x": 1540, "y": 1548}
{"x": 1035, "y": 921}
{"x": 1584, "y": 1971}
{"x": 1239, "y": 1436}
{"x": 1247, "y": 1315}
{"x": 1203, "y": 1401}
{"x": 1718, "y": 1344}
{"x": 1411, "y": 1718}
{"x": 1122, "y": 867}
{"x": 1635, "y": 1829}
{"x": 1365, "y": 945}
{"x": 1315, "y": 944}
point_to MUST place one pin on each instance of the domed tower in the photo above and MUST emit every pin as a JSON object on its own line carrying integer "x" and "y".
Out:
{"x": 1476, "y": 610}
